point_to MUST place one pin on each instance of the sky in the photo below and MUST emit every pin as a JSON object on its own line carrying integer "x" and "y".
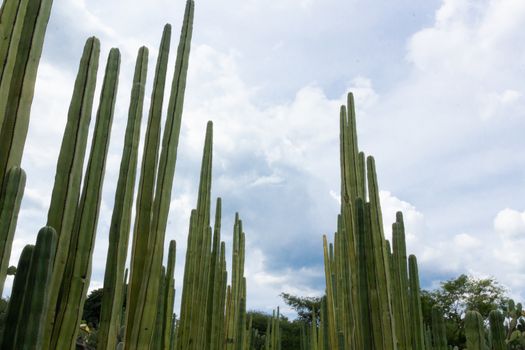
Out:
{"x": 440, "y": 104}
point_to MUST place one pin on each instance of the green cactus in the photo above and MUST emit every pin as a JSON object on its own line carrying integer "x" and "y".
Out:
{"x": 141, "y": 231}
{"x": 36, "y": 298}
{"x": 66, "y": 189}
{"x": 121, "y": 218}
{"x": 22, "y": 26}
{"x": 475, "y": 331}
{"x": 416, "y": 315}
{"x": 439, "y": 332}
{"x": 169, "y": 295}
{"x": 141, "y": 334}
{"x": 9, "y": 207}
{"x": 75, "y": 282}
{"x": 497, "y": 330}
{"x": 14, "y": 317}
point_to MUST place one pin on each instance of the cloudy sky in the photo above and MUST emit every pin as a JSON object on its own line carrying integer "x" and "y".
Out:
{"x": 440, "y": 90}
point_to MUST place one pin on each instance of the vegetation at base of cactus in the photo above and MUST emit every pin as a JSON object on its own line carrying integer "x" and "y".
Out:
{"x": 23, "y": 27}
{"x": 121, "y": 218}
{"x": 78, "y": 265}
{"x": 68, "y": 177}
{"x": 10, "y": 200}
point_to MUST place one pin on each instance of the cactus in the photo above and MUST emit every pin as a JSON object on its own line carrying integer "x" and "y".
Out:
{"x": 36, "y": 297}
{"x": 146, "y": 187}
{"x": 22, "y": 26}
{"x": 14, "y": 317}
{"x": 141, "y": 333}
{"x": 497, "y": 330}
{"x": 9, "y": 208}
{"x": 66, "y": 189}
{"x": 121, "y": 218}
{"x": 78, "y": 266}
{"x": 416, "y": 316}
{"x": 439, "y": 332}
{"x": 475, "y": 331}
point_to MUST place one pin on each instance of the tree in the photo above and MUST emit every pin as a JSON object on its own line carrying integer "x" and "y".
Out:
{"x": 460, "y": 294}
{"x": 304, "y": 306}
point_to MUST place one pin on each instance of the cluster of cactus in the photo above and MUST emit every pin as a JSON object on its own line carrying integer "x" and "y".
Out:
{"x": 372, "y": 293}
{"x": 47, "y": 315}
{"x": 272, "y": 338}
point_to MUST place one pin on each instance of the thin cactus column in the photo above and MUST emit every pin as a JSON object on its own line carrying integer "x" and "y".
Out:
{"x": 78, "y": 266}
{"x": 169, "y": 295}
{"x": 121, "y": 218}
{"x": 9, "y": 208}
{"x": 23, "y": 26}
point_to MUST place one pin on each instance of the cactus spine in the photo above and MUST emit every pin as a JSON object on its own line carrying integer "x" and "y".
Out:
{"x": 78, "y": 266}
{"x": 22, "y": 25}
{"x": 121, "y": 218}
{"x": 9, "y": 208}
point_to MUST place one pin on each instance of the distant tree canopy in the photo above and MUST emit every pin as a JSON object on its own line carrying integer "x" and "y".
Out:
{"x": 304, "y": 306}
{"x": 455, "y": 296}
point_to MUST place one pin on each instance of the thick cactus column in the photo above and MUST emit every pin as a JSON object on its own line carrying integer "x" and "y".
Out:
{"x": 68, "y": 177}
{"x": 76, "y": 278}
{"x": 121, "y": 218}
{"x": 439, "y": 332}
{"x": 36, "y": 295}
{"x": 23, "y": 26}
{"x": 497, "y": 330}
{"x": 475, "y": 331}
{"x": 9, "y": 208}
{"x": 14, "y": 317}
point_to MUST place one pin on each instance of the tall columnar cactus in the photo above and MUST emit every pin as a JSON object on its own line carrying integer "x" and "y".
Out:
{"x": 168, "y": 295}
{"x": 9, "y": 208}
{"x": 14, "y": 317}
{"x": 76, "y": 278}
{"x": 22, "y": 27}
{"x": 140, "y": 335}
{"x": 68, "y": 177}
{"x": 497, "y": 330}
{"x": 475, "y": 331}
{"x": 121, "y": 218}
{"x": 439, "y": 331}
{"x": 36, "y": 295}
{"x": 416, "y": 315}
{"x": 141, "y": 230}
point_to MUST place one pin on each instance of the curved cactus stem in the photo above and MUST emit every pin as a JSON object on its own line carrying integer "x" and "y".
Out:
{"x": 121, "y": 218}
{"x": 9, "y": 207}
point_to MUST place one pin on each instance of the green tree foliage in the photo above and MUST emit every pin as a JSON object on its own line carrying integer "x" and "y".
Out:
{"x": 304, "y": 306}
{"x": 290, "y": 331}
{"x": 92, "y": 305}
{"x": 456, "y": 296}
